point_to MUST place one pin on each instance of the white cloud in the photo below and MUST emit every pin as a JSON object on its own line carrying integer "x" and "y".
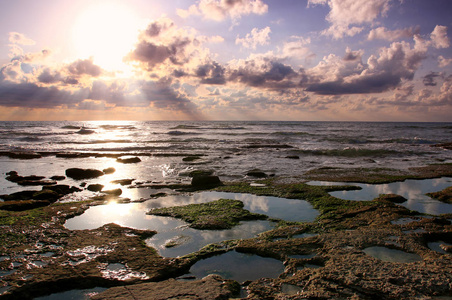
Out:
{"x": 256, "y": 37}
{"x": 439, "y": 37}
{"x": 219, "y": 10}
{"x": 345, "y": 13}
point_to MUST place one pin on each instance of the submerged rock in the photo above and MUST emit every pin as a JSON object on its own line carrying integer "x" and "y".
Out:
{"x": 109, "y": 170}
{"x": 79, "y": 174}
{"x": 58, "y": 177}
{"x": 130, "y": 160}
{"x": 123, "y": 181}
{"x": 24, "y": 155}
{"x": 204, "y": 181}
{"x": 95, "y": 187}
{"x": 392, "y": 198}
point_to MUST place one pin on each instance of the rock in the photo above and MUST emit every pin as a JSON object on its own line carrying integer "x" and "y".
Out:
{"x": 95, "y": 187}
{"x": 293, "y": 157}
{"x": 190, "y": 158}
{"x": 24, "y": 155}
{"x": 257, "y": 174}
{"x": 210, "y": 287}
{"x": 79, "y": 174}
{"x": 62, "y": 189}
{"x": 131, "y": 160}
{"x": 392, "y": 198}
{"x": 19, "y": 196}
{"x": 109, "y": 170}
{"x": 58, "y": 178}
{"x": 23, "y": 205}
{"x": 205, "y": 181}
{"x": 48, "y": 195}
{"x": 123, "y": 181}
{"x": 114, "y": 192}
{"x": 14, "y": 177}
{"x": 447, "y": 248}
{"x": 36, "y": 182}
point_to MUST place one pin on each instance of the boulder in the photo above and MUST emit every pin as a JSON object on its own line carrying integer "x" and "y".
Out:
{"x": 114, "y": 192}
{"x": 47, "y": 195}
{"x": 123, "y": 181}
{"x": 130, "y": 160}
{"x": 109, "y": 170}
{"x": 79, "y": 174}
{"x": 58, "y": 178}
{"x": 257, "y": 173}
{"x": 205, "y": 181}
{"x": 392, "y": 198}
{"x": 95, "y": 187}
{"x": 62, "y": 189}
{"x": 19, "y": 196}
{"x": 24, "y": 155}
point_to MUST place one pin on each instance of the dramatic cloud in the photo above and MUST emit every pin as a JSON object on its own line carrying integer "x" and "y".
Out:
{"x": 392, "y": 35}
{"x": 439, "y": 37}
{"x": 84, "y": 67}
{"x": 256, "y": 37}
{"x": 219, "y": 10}
{"x": 345, "y": 13}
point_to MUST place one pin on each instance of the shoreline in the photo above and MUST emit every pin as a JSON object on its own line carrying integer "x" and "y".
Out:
{"x": 344, "y": 229}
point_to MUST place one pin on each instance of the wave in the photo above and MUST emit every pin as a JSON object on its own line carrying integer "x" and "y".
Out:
{"x": 291, "y": 133}
{"x": 178, "y": 132}
{"x": 185, "y": 127}
{"x": 350, "y": 152}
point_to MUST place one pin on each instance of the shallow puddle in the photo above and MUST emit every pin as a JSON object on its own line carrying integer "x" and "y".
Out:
{"x": 413, "y": 190}
{"x": 290, "y": 289}
{"x": 170, "y": 229}
{"x": 238, "y": 266}
{"x": 436, "y": 246}
{"x": 391, "y": 255}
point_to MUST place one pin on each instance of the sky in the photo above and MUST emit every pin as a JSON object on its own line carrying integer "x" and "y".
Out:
{"x": 281, "y": 60}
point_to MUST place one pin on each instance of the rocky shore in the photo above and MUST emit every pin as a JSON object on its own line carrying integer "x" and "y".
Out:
{"x": 39, "y": 256}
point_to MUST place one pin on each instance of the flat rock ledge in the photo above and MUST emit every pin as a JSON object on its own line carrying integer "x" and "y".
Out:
{"x": 209, "y": 288}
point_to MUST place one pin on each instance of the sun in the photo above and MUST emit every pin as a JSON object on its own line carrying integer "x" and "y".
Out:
{"x": 106, "y": 31}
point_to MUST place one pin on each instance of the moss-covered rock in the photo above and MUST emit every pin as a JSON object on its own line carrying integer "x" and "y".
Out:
{"x": 220, "y": 214}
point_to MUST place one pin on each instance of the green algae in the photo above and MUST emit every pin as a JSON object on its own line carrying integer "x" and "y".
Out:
{"x": 220, "y": 214}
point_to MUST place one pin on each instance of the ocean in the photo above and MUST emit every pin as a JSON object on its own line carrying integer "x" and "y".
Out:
{"x": 230, "y": 149}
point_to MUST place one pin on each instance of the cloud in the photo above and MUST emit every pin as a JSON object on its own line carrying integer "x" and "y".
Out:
{"x": 392, "y": 35}
{"x": 381, "y": 73}
{"x": 211, "y": 73}
{"x": 20, "y": 39}
{"x": 429, "y": 79}
{"x": 263, "y": 72}
{"x": 219, "y": 10}
{"x": 256, "y": 37}
{"x": 439, "y": 37}
{"x": 84, "y": 67}
{"x": 444, "y": 62}
{"x": 345, "y": 13}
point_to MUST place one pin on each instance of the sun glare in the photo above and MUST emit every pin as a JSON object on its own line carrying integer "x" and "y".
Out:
{"x": 106, "y": 32}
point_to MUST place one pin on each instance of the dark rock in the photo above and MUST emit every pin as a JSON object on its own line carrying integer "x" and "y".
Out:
{"x": 114, "y": 192}
{"x": 293, "y": 157}
{"x": 109, "y": 170}
{"x": 79, "y": 174}
{"x": 23, "y": 205}
{"x": 392, "y": 198}
{"x": 19, "y": 196}
{"x": 190, "y": 158}
{"x": 131, "y": 160}
{"x": 83, "y": 184}
{"x": 205, "y": 181}
{"x": 36, "y": 182}
{"x": 62, "y": 189}
{"x": 48, "y": 195}
{"x": 257, "y": 174}
{"x": 24, "y": 155}
{"x": 95, "y": 187}
{"x": 123, "y": 181}
{"x": 58, "y": 178}
{"x": 14, "y": 177}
